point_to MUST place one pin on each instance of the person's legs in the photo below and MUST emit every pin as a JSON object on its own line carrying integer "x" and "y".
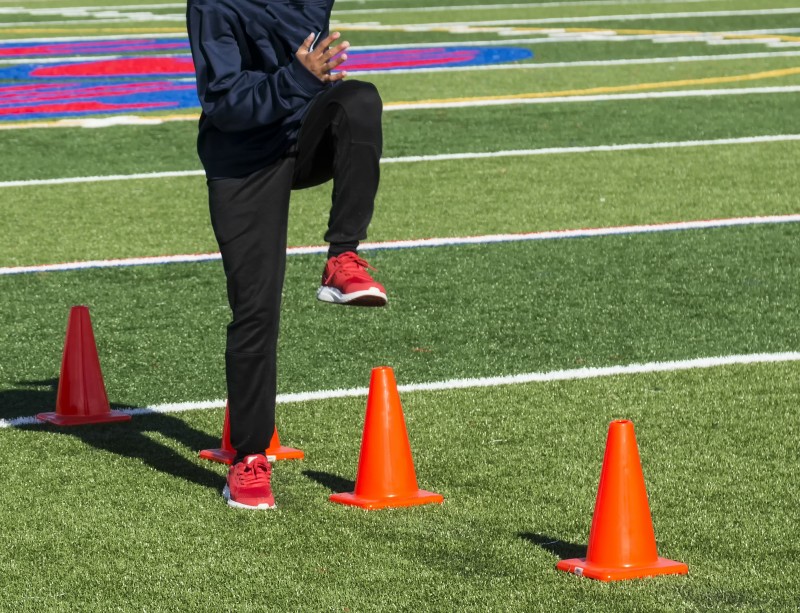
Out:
{"x": 341, "y": 139}
{"x": 249, "y": 216}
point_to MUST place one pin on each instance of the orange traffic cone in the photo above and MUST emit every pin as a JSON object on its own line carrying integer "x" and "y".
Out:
{"x": 82, "y": 397}
{"x": 276, "y": 451}
{"x": 622, "y": 544}
{"x": 226, "y": 452}
{"x": 386, "y": 476}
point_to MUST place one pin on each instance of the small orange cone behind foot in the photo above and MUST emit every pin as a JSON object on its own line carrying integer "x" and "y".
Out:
{"x": 276, "y": 451}
{"x": 225, "y": 453}
{"x": 386, "y": 476}
{"x": 82, "y": 397}
{"x": 622, "y": 544}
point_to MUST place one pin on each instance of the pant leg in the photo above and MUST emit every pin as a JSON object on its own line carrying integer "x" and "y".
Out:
{"x": 249, "y": 216}
{"x": 341, "y": 139}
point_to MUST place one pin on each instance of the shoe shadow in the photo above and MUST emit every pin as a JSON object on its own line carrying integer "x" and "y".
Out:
{"x": 334, "y": 483}
{"x": 132, "y": 439}
{"x": 563, "y": 549}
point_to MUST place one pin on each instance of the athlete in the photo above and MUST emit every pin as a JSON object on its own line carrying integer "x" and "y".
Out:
{"x": 278, "y": 115}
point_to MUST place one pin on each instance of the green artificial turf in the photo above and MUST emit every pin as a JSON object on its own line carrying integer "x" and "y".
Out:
{"x": 171, "y": 146}
{"x": 454, "y": 312}
{"x": 138, "y": 522}
{"x": 126, "y": 517}
{"x": 450, "y": 198}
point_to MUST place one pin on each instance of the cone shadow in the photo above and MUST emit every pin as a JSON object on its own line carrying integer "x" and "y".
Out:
{"x": 562, "y": 549}
{"x": 129, "y": 439}
{"x": 30, "y": 397}
{"x": 334, "y": 483}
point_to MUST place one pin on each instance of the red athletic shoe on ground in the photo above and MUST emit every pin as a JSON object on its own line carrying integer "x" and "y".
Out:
{"x": 248, "y": 484}
{"x": 346, "y": 281}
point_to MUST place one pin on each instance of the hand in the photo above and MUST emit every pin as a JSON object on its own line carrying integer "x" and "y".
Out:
{"x": 323, "y": 59}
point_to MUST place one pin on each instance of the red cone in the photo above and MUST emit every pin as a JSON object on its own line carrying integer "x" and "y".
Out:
{"x": 82, "y": 397}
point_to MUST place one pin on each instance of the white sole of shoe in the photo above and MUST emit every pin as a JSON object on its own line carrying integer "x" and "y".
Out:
{"x": 226, "y": 493}
{"x": 367, "y": 297}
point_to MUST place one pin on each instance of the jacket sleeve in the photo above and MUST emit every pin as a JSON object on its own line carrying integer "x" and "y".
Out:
{"x": 235, "y": 99}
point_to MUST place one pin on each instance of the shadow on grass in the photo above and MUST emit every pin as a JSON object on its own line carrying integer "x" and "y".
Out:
{"x": 334, "y": 483}
{"x": 564, "y": 550}
{"x": 132, "y": 439}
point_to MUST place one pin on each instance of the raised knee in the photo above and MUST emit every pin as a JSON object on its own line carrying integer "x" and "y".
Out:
{"x": 361, "y": 100}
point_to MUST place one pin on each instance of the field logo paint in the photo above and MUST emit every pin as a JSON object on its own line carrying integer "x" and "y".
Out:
{"x": 166, "y": 83}
{"x": 115, "y": 46}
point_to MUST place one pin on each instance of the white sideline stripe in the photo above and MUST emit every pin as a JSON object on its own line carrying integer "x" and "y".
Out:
{"x": 584, "y": 19}
{"x": 424, "y": 242}
{"x": 527, "y": 5}
{"x": 564, "y": 38}
{"x": 15, "y": 10}
{"x": 470, "y": 383}
{"x": 689, "y": 93}
{"x": 102, "y": 178}
{"x": 437, "y": 158}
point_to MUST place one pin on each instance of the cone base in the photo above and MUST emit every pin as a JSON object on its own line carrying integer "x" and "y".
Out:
{"x": 284, "y": 453}
{"x": 79, "y": 420}
{"x": 223, "y": 456}
{"x": 418, "y": 498}
{"x": 582, "y": 568}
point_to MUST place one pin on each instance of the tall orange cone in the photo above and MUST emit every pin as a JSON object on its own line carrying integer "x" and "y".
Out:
{"x": 82, "y": 397}
{"x": 622, "y": 544}
{"x": 225, "y": 453}
{"x": 386, "y": 476}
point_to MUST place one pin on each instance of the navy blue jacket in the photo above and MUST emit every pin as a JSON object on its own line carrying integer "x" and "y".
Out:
{"x": 252, "y": 89}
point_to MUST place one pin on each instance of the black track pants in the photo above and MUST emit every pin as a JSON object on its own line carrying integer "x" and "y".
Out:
{"x": 341, "y": 139}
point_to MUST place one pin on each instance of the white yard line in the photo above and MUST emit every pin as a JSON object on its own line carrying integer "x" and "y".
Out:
{"x": 77, "y": 10}
{"x": 484, "y": 7}
{"x": 686, "y": 93}
{"x": 545, "y": 4}
{"x": 427, "y": 26}
{"x": 745, "y": 140}
{"x": 471, "y": 383}
{"x": 565, "y": 36}
{"x": 487, "y": 239}
{"x": 101, "y": 178}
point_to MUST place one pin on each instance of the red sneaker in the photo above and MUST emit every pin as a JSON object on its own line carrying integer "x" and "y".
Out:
{"x": 346, "y": 281}
{"x": 248, "y": 484}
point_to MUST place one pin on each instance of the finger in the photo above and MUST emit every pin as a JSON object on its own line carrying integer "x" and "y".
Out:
{"x": 337, "y": 76}
{"x": 332, "y": 51}
{"x": 305, "y": 46}
{"x": 324, "y": 44}
{"x": 338, "y": 60}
